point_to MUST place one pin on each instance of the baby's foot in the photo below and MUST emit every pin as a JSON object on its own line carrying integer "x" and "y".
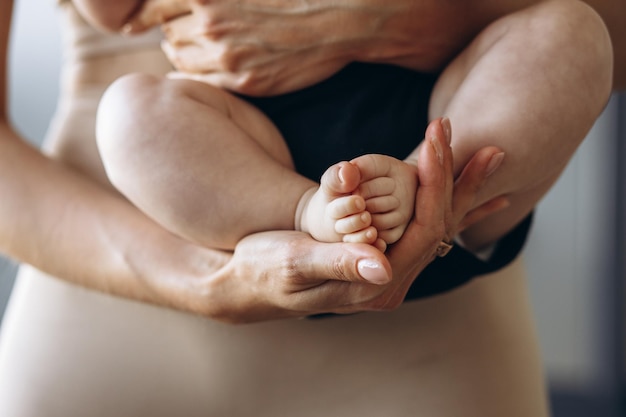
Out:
{"x": 332, "y": 212}
{"x": 388, "y": 187}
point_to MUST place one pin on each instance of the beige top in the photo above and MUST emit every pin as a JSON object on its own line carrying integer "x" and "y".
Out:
{"x": 83, "y": 41}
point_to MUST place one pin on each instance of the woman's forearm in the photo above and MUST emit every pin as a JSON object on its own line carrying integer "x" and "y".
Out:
{"x": 66, "y": 225}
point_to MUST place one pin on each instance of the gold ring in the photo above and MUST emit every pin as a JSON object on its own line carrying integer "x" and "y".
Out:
{"x": 443, "y": 248}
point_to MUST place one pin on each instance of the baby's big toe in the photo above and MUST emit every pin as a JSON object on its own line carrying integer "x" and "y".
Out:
{"x": 341, "y": 178}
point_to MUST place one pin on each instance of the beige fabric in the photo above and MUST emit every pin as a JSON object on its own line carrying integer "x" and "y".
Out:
{"x": 82, "y": 41}
{"x": 67, "y": 351}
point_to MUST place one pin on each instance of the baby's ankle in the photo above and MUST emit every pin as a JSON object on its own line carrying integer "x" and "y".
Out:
{"x": 300, "y": 218}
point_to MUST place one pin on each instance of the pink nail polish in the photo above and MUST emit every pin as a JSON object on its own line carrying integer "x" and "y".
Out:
{"x": 434, "y": 141}
{"x": 372, "y": 271}
{"x": 447, "y": 129}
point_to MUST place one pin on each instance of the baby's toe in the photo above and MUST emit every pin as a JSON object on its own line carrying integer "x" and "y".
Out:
{"x": 345, "y": 206}
{"x": 354, "y": 223}
{"x": 341, "y": 178}
{"x": 367, "y": 235}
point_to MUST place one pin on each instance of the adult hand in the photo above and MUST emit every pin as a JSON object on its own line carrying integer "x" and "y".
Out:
{"x": 267, "y": 47}
{"x": 443, "y": 208}
{"x": 257, "y": 47}
{"x": 275, "y": 275}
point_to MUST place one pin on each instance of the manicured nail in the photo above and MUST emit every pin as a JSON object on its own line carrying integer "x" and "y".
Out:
{"x": 447, "y": 130}
{"x": 494, "y": 163}
{"x": 372, "y": 271}
{"x": 340, "y": 175}
{"x": 434, "y": 141}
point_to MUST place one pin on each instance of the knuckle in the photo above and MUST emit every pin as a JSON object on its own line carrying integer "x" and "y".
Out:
{"x": 338, "y": 268}
{"x": 250, "y": 83}
{"x": 173, "y": 55}
{"x": 290, "y": 262}
{"x": 213, "y": 26}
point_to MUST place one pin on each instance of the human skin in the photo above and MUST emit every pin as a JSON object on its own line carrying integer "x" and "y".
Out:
{"x": 245, "y": 49}
{"x": 68, "y": 351}
{"x": 175, "y": 171}
{"x": 128, "y": 255}
{"x": 561, "y": 84}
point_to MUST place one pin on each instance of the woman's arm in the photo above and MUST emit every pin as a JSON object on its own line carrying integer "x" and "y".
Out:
{"x": 66, "y": 224}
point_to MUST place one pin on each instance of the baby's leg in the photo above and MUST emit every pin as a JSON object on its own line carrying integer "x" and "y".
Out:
{"x": 206, "y": 165}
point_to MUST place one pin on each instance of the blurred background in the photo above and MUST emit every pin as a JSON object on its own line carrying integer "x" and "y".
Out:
{"x": 576, "y": 256}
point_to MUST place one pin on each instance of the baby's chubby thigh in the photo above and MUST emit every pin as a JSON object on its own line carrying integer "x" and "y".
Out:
{"x": 138, "y": 101}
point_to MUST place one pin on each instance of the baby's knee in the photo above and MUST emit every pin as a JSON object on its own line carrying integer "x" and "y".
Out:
{"x": 123, "y": 105}
{"x": 577, "y": 36}
{"x": 131, "y": 91}
{"x": 570, "y": 24}
{"x": 563, "y": 35}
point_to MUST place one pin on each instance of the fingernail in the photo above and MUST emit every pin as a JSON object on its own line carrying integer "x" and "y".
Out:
{"x": 437, "y": 147}
{"x": 494, "y": 163}
{"x": 372, "y": 271}
{"x": 340, "y": 175}
{"x": 447, "y": 129}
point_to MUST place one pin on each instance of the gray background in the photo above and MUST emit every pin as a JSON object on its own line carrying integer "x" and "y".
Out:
{"x": 574, "y": 256}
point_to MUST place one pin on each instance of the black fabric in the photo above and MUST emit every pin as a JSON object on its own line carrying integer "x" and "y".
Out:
{"x": 372, "y": 108}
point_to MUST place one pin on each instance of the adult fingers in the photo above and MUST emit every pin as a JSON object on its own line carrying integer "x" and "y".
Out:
{"x": 484, "y": 163}
{"x": 482, "y": 212}
{"x": 302, "y": 259}
{"x": 315, "y": 277}
{"x": 156, "y": 12}
{"x": 416, "y": 249}
{"x": 185, "y": 29}
{"x": 435, "y": 177}
{"x": 417, "y": 246}
{"x": 448, "y": 163}
{"x": 193, "y": 58}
